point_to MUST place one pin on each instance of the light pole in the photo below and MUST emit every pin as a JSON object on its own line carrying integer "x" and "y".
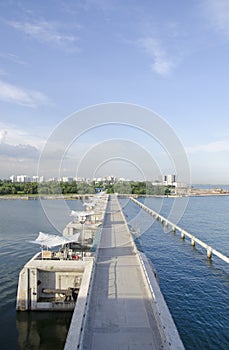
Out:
{"x": 82, "y": 221}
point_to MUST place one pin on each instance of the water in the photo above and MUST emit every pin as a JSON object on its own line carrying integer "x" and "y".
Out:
{"x": 196, "y": 290}
{"x": 20, "y": 222}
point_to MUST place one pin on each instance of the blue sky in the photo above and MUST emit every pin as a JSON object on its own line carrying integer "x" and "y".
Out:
{"x": 58, "y": 57}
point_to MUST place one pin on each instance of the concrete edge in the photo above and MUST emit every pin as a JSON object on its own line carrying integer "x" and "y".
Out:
{"x": 127, "y": 227}
{"x": 78, "y": 317}
{"x": 76, "y": 330}
{"x": 90, "y": 289}
{"x": 164, "y": 318}
{"x": 165, "y": 321}
{"x": 99, "y": 240}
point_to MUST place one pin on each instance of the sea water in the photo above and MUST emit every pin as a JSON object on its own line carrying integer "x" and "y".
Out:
{"x": 196, "y": 290}
{"x": 20, "y": 223}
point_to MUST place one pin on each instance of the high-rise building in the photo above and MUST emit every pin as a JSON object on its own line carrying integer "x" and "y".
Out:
{"x": 170, "y": 180}
{"x": 13, "y": 178}
{"x": 23, "y": 178}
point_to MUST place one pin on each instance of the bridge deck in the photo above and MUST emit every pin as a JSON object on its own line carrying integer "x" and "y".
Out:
{"x": 120, "y": 313}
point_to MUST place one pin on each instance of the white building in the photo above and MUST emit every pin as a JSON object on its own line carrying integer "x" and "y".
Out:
{"x": 41, "y": 179}
{"x": 26, "y": 178}
{"x": 66, "y": 179}
{"x": 13, "y": 178}
{"x": 23, "y": 178}
{"x": 170, "y": 180}
{"x": 35, "y": 178}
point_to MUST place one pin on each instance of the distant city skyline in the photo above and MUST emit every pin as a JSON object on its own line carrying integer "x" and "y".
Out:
{"x": 166, "y": 179}
{"x": 169, "y": 179}
{"x": 170, "y": 57}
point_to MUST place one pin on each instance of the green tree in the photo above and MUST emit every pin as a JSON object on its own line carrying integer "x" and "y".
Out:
{"x": 122, "y": 188}
{"x": 85, "y": 188}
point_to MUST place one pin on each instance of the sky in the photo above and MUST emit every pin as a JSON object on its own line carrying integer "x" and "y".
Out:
{"x": 59, "y": 58}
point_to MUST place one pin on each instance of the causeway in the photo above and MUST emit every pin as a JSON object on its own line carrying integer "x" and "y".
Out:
{"x": 126, "y": 309}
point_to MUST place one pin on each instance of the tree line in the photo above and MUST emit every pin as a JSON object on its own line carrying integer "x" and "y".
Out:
{"x": 55, "y": 188}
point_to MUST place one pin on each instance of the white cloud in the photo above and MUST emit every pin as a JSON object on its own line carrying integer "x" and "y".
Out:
{"x": 217, "y": 13}
{"x": 3, "y": 134}
{"x": 12, "y": 135}
{"x": 46, "y": 32}
{"x": 21, "y": 96}
{"x": 12, "y": 57}
{"x": 211, "y": 147}
{"x": 162, "y": 63}
{"x": 19, "y": 151}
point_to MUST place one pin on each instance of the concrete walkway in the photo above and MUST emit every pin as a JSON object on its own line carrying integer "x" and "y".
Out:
{"x": 120, "y": 311}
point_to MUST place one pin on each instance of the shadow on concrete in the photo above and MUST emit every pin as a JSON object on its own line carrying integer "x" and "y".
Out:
{"x": 121, "y": 314}
{"x": 109, "y": 253}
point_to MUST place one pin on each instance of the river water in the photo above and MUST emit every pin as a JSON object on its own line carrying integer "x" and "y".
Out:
{"x": 195, "y": 289}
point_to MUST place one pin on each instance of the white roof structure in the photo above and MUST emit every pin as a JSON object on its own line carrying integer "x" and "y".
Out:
{"x": 91, "y": 203}
{"x": 81, "y": 214}
{"x": 47, "y": 240}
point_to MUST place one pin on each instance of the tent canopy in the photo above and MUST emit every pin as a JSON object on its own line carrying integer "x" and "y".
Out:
{"x": 81, "y": 214}
{"x": 47, "y": 240}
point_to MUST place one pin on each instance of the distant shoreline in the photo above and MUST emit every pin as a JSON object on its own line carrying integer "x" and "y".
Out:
{"x": 208, "y": 192}
{"x": 40, "y": 197}
{"x": 193, "y": 193}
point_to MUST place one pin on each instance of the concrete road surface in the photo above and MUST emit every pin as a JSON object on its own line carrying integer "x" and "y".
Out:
{"x": 120, "y": 312}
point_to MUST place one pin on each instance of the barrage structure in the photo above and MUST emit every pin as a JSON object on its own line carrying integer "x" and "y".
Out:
{"x": 123, "y": 307}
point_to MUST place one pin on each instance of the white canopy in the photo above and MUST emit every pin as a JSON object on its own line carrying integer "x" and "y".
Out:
{"x": 47, "y": 240}
{"x": 73, "y": 238}
{"x": 91, "y": 203}
{"x": 81, "y": 214}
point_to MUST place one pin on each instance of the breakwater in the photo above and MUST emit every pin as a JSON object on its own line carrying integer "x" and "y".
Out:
{"x": 126, "y": 308}
{"x": 173, "y": 227}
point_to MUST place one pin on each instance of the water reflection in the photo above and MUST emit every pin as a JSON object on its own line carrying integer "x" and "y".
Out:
{"x": 42, "y": 330}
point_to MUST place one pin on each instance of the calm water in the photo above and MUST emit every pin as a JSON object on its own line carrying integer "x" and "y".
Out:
{"x": 21, "y": 221}
{"x": 196, "y": 290}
